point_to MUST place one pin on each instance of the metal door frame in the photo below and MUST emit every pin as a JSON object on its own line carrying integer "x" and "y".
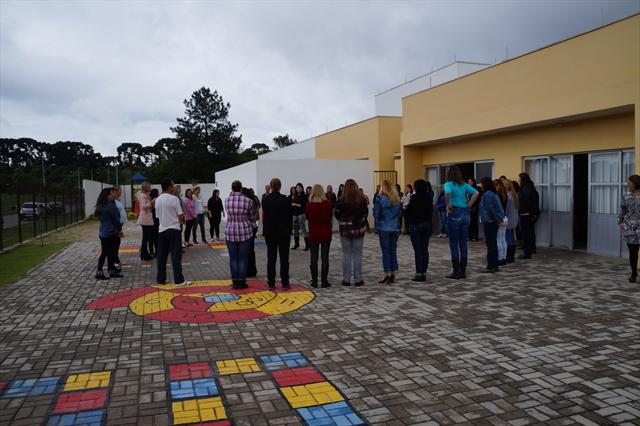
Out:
{"x": 552, "y": 203}
{"x": 548, "y": 185}
{"x": 589, "y": 212}
{"x": 493, "y": 169}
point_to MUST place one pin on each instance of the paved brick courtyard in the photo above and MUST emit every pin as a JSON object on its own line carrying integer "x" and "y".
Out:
{"x": 555, "y": 340}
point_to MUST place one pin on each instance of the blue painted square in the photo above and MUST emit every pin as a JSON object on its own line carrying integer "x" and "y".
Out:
{"x": 336, "y": 414}
{"x": 185, "y": 389}
{"x": 84, "y": 418}
{"x": 280, "y": 362}
{"x": 31, "y": 387}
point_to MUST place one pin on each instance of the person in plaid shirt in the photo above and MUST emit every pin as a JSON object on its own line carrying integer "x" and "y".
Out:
{"x": 238, "y": 234}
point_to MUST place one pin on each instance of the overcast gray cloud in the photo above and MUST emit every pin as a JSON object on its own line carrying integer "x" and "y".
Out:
{"x": 111, "y": 72}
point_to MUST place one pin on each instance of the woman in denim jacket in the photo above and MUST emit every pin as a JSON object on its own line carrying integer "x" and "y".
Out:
{"x": 492, "y": 216}
{"x": 387, "y": 212}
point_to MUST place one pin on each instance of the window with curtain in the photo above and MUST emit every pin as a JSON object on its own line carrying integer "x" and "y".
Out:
{"x": 561, "y": 183}
{"x": 538, "y": 170}
{"x": 605, "y": 178}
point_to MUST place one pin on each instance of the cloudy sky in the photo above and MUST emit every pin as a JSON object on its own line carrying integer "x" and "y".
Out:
{"x": 107, "y": 72}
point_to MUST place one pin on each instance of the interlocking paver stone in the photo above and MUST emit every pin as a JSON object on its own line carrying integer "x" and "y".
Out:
{"x": 553, "y": 340}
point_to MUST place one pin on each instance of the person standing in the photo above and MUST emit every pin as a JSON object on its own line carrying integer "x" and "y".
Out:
{"x": 318, "y": 213}
{"x": 340, "y": 190}
{"x": 170, "y": 217}
{"x": 123, "y": 220}
{"x": 529, "y": 210}
{"x": 512, "y": 215}
{"x": 145, "y": 220}
{"x": 238, "y": 234}
{"x": 153, "y": 195}
{"x": 474, "y": 212}
{"x": 189, "y": 216}
{"x": 199, "y": 204}
{"x": 109, "y": 233}
{"x": 215, "y": 212}
{"x": 629, "y": 222}
{"x": 405, "y": 197}
{"x": 298, "y": 203}
{"x": 331, "y": 196}
{"x": 252, "y": 269}
{"x": 387, "y": 212}
{"x": 442, "y": 214}
{"x": 351, "y": 212}
{"x": 419, "y": 215}
{"x": 267, "y": 188}
{"x": 501, "y": 238}
{"x": 491, "y": 215}
{"x": 455, "y": 193}
{"x": 277, "y": 217}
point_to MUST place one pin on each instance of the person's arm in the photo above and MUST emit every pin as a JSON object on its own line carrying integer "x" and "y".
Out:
{"x": 622, "y": 213}
{"x": 178, "y": 209}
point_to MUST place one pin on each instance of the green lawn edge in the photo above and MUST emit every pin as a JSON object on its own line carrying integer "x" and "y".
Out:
{"x": 15, "y": 263}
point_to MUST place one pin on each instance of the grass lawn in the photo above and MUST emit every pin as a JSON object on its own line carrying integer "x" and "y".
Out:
{"x": 15, "y": 263}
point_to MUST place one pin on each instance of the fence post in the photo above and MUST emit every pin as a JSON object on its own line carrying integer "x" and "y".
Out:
{"x": 19, "y": 217}
{"x": 46, "y": 207}
{"x": 55, "y": 216}
{"x": 64, "y": 211}
{"x": 35, "y": 214}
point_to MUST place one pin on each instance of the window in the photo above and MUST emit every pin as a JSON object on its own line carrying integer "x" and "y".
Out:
{"x": 605, "y": 172}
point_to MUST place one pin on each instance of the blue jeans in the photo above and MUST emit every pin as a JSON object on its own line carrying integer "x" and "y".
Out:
{"x": 443, "y": 222}
{"x": 169, "y": 241}
{"x": 458, "y": 226}
{"x": 351, "y": 258}
{"x": 420, "y": 234}
{"x": 491, "y": 236}
{"x": 199, "y": 222}
{"x": 239, "y": 258}
{"x": 389, "y": 246}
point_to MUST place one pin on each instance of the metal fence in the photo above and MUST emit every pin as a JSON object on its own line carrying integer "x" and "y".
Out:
{"x": 29, "y": 215}
{"x": 382, "y": 175}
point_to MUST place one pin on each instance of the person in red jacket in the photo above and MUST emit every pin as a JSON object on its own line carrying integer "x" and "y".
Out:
{"x": 318, "y": 212}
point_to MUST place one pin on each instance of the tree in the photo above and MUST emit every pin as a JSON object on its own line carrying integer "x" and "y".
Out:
{"x": 283, "y": 141}
{"x": 260, "y": 148}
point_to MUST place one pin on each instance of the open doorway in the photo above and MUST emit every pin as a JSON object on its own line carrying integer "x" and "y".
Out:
{"x": 467, "y": 170}
{"x": 580, "y": 201}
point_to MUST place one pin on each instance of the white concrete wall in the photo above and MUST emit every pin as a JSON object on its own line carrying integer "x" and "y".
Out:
{"x": 245, "y": 173}
{"x": 302, "y": 150}
{"x": 389, "y": 102}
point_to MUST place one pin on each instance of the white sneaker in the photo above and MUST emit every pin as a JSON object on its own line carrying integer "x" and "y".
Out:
{"x": 184, "y": 283}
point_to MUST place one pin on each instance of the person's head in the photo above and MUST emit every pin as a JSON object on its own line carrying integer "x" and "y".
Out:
{"x": 397, "y": 186}
{"x": 351, "y": 192}
{"x": 188, "y": 193}
{"x": 292, "y": 191}
{"x": 166, "y": 184}
{"x": 408, "y": 188}
{"x": 236, "y": 186}
{"x": 421, "y": 186}
{"x": 503, "y": 178}
{"x": 107, "y": 195}
{"x": 487, "y": 184}
{"x": 275, "y": 185}
{"x": 377, "y": 189}
{"x": 117, "y": 191}
{"x": 329, "y": 189}
{"x": 145, "y": 187}
{"x": 516, "y": 186}
{"x": 525, "y": 180}
{"x": 154, "y": 193}
{"x": 472, "y": 181}
{"x": 341, "y": 187}
{"x": 177, "y": 190}
{"x": 317, "y": 194}
{"x": 216, "y": 193}
{"x": 499, "y": 186}
{"x": 196, "y": 191}
{"x": 267, "y": 188}
{"x": 454, "y": 174}
{"x": 633, "y": 183}
{"x": 299, "y": 188}
{"x": 308, "y": 190}
{"x": 509, "y": 188}
{"x": 388, "y": 191}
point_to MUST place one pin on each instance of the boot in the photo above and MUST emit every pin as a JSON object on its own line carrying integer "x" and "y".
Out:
{"x": 242, "y": 284}
{"x": 235, "y": 284}
{"x": 511, "y": 254}
{"x": 101, "y": 276}
{"x": 456, "y": 270}
{"x": 306, "y": 244}
{"x": 463, "y": 267}
{"x": 296, "y": 240}
{"x": 314, "y": 283}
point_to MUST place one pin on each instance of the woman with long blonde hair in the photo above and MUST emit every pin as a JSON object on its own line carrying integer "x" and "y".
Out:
{"x": 351, "y": 212}
{"x": 387, "y": 211}
{"x": 318, "y": 213}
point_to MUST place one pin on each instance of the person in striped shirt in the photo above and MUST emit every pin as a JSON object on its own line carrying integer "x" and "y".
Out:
{"x": 238, "y": 234}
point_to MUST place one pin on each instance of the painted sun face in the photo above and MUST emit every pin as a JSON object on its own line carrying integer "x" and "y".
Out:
{"x": 206, "y": 301}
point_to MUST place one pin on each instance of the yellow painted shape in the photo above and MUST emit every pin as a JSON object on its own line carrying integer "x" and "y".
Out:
{"x": 246, "y": 301}
{"x": 313, "y": 394}
{"x": 87, "y": 381}
{"x": 153, "y": 302}
{"x": 128, "y": 250}
{"x": 286, "y": 302}
{"x": 235, "y": 366}
{"x": 198, "y": 410}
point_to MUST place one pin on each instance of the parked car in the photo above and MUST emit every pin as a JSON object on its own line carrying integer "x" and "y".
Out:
{"x": 55, "y": 207}
{"x": 29, "y": 211}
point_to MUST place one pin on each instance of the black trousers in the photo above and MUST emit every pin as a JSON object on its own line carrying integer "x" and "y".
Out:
{"x": 153, "y": 245}
{"x": 633, "y": 258}
{"x": 108, "y": 251}
{"x": 473, "y": 225}
{"x": 323, "y": 248}
{"x": 252, "y": 270}
{"x": 214, "y": 226}
{"x": 188, "y": 229}
{"x": 146, "y": 247}
{"x": 528, "y": 238}
{"x": 169, "y": 243}
{"x": 275, "y": 246}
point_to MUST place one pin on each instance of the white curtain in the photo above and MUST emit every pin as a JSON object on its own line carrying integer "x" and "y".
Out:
{"x": 605, "y": 169}
{"x": 561, "y": 181}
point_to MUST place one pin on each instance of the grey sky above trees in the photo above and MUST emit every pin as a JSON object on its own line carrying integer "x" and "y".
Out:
{"x": 105, "y": 73}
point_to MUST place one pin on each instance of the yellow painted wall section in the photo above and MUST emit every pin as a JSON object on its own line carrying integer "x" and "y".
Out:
{"x": 411, "y": 165}
{"x": 355, "y": 142}
{"x": 509, "y": 149}
{"x": 389, "y": 129}
{"x": 595, "y": 71}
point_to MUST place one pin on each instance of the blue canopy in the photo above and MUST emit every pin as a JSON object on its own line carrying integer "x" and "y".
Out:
{"x": 138, "y": 177}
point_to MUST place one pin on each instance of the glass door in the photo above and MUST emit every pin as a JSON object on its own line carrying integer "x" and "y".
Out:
{"x": 538, "y": 170}
{"x": 561, "y": 201}
{"x": 605, "y": 182}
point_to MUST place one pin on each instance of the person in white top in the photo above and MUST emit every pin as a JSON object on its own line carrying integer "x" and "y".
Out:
{"x": 199, "y": 202}
{"x": 169, "y": 213}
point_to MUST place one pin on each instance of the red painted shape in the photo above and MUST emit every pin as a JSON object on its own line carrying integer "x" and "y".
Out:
{"x": 198, "y": 370}
{"x": 297, "y": 376}
{"x": 3, "y": 385}
{"x": 80, "y": 401}
{"x": 206, "y": 317}
{"x": 120, "y": 299}
{"x": 188, "y": 303}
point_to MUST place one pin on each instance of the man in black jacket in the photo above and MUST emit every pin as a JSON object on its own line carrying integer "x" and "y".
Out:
{"x": 276, "y": 222}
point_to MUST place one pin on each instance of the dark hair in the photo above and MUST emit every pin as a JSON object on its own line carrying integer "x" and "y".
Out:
{"x": 410, "y": 187}
{"x": 275, "y": 184}
{"x": 236, "y": 186}
{"x": 186, "y": 193}
{"x": 292, "y": 191}
{"x": 516, "y": 185}
{"x": 454, "y": 174}
{"x": 216, "y": 192}
{"x": 526, "y": 179}
{"x": 503, "y": 177}
{"x": 102, "y": 200}
{"x": 487, "y": 184}
{"x": 635, "y": 180}
{"x": 421, "y": 186}
{"x": 166, "y": 183}
{"x": 154, "y": 193}
{"x": 475, "y": 182}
